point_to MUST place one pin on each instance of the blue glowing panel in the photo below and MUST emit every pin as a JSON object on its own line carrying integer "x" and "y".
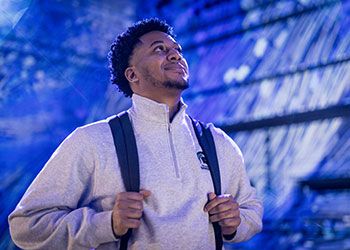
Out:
{"x": 298, "y": 92}
{"x": 53, "y": 78}
{"x": 294, "y": 44}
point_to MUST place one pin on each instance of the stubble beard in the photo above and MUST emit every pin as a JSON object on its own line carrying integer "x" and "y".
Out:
{"x": 176, "y": 85}
{"x": 169, "y": 84}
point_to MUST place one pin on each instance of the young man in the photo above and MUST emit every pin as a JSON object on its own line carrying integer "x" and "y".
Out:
{"x": 78, "y": 201}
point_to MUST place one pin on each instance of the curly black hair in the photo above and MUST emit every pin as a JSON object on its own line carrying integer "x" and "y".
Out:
{"x": 122, "y": 49}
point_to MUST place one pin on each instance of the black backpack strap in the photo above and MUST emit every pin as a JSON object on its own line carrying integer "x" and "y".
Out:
{"x": 206, "y": 141}
{"x": 126, "y": 149}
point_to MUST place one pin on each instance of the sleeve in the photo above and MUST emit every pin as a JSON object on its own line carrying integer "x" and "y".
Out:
{"x": 237, "y": 183}
{"x": 54, "y": 212}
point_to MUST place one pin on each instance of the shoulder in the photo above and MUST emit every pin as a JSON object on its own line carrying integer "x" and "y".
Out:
{"x": 90, "y": 133}
{"x": 224, "y": 142}
{"x": 97, "y": 127}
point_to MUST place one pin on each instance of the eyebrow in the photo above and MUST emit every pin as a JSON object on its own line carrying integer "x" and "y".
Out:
{"x": 159, "y": 41}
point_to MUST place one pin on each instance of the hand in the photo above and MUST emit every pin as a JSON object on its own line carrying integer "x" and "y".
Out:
{"x": 225, "y": 210}
{"x": 127, "y": 211}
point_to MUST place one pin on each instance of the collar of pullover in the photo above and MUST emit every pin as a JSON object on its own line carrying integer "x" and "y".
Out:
{"x": 150, "y": 110}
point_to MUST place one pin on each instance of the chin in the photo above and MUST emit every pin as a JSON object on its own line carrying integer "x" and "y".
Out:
{"x": 181, "y": 85}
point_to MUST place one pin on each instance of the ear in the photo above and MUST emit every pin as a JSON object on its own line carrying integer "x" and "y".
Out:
{"x": 131, "y": 75}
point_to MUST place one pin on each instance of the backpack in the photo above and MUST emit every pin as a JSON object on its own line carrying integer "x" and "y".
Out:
{"x": 126, "y": 149}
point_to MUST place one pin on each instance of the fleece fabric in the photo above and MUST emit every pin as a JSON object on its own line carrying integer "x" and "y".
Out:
{"x": 69, "y": 204}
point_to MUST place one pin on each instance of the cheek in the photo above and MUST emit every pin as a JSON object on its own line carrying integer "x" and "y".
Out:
{"x": 152, "y": 66}
{"x": 156, "y": 69}
{"x": 153, "y": 69}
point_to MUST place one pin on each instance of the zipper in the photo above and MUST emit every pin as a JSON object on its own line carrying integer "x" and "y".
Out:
{"x": 172, "y": 149}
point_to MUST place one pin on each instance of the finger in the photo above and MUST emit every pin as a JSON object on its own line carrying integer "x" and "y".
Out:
{"x": 145, "y": 193}
{"x": 221, "y": 216}
{"x": 133, "y": 213}
{"x": 216, "y": 201}
{"x": 127, "y": 204}
{"x": 129, "y": 196}
{"x": 131, "y": 223}
{"x": 229, "y": 205}
{"x": 220, "y": 208}
{"x": 211, "y": 196}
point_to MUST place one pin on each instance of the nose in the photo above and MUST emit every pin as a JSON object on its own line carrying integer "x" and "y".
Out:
{"x": 174, "y": 55}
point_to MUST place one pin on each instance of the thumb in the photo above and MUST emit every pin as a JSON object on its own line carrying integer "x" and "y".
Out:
{"x": 145, "y": 193}
{"x": 211, "y": 196}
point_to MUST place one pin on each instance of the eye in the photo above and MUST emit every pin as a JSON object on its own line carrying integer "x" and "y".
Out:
{"x": 160, "y": 48}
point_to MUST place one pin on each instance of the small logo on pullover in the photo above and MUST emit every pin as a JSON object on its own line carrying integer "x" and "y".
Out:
{"x": 203, "y": 160}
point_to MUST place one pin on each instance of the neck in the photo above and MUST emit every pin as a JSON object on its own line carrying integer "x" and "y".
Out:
{"x": 172, "y": 101}
{"x": 173, "y": 110}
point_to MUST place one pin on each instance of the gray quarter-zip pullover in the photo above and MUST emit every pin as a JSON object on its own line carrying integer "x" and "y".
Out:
{"x": 69, "y": 204}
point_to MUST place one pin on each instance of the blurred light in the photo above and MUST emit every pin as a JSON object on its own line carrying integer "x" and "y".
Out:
{"x": 308, "y": 244}
{"x": 242, "y": 72}
{"x": 281, "y": 38}
{"x": 304, "y": 2}
{"x": 28, "y": 61}
{"x": 260, "y": 47}
{"x": 39, "y": 75}
{"x": 252, "y": 17}
{"x": 24, "y": 75}
{"x": 11, "y": 57}
{"x": 239, "y": 74}
{"x": 247, "y": 4}
{"x": 229, "y": 75}
{"x": 266, "y": 89}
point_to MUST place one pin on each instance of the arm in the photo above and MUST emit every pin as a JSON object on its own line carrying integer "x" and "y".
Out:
{"x": 250, "y": 207}
{"x": 247, "y": 221}
{"x": 54, "y": 212}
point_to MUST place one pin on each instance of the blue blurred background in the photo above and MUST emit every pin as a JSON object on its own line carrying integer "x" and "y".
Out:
{"x": 275, "y": 75}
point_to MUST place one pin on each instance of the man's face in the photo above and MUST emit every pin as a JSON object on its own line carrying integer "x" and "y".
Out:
{"x": 158, "y": 64}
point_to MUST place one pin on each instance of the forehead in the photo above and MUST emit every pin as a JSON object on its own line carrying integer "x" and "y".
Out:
{"x": 150, "y": 37}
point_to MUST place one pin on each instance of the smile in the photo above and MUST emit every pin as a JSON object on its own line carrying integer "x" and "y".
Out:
{"x": 175, "y": 68}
